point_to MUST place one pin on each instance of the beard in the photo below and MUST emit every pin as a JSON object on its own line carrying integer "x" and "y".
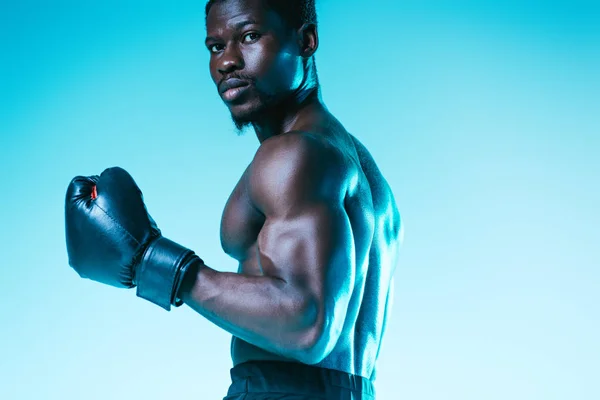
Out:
{"x": 265, "y": 106}
{"x": 243, "y": 122}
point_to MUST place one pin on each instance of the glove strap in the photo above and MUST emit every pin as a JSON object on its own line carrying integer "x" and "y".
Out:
{"x": 160, "y": 272}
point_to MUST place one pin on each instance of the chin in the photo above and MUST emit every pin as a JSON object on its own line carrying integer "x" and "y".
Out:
{"x": 246, "y": 113}
{"x": 253, "y": 106}
{"x": 242, "y": 120}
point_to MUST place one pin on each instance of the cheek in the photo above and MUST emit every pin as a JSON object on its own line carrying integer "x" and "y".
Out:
{"x": 280, "y": 70}
{"x": 290, "y": 70}
{"x": 212, "y": 68}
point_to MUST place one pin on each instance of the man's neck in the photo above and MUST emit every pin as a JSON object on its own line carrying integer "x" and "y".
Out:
{"x": 300, "y": 110}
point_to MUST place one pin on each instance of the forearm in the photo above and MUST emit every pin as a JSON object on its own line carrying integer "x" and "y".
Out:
{"x": 264, "y": 311}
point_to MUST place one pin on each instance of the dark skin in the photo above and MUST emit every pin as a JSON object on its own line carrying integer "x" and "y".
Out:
{"x": 311, "y": 221}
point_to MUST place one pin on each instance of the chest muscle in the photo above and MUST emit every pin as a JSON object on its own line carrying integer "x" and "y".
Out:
{"x": 240, "y": 224}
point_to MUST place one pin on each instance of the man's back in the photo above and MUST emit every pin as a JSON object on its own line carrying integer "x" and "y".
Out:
{"x": 375, "y": 223}
{"x": 377, "y": 298}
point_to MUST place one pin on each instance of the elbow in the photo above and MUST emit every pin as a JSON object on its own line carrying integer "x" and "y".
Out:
{"x": 309, "y": 359}
{"x": 316, "y": 342}
{"x": 310, "y": 349}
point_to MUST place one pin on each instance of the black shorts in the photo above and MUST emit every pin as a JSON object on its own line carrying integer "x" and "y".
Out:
{"x": 263, "y": 380}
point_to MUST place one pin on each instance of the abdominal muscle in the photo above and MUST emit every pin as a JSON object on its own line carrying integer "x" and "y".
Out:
{"x": 242, "y": 351}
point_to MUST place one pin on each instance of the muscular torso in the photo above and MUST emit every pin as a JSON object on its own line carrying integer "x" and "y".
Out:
{"x": 376, "y": 229}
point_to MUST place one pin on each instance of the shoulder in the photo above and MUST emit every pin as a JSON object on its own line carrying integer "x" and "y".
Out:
{"x": 297, "y": 166}
{"x": 297, "y": 146}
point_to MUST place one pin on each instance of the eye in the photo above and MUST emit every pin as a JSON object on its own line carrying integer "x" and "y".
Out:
{"x": 250, "y": 37}
{"x": 215, "y": 48}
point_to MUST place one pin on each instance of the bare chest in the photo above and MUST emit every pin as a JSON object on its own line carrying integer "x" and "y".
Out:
{"x": 240, "y": 225}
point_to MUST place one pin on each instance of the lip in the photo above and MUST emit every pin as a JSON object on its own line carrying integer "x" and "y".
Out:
{"x": 233, "y": 93}
{"x": 232, "y": 83}
{"x": 232, "y": 88}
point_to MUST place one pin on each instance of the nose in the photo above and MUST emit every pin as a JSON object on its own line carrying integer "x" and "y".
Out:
{"x": 231, "y": 60}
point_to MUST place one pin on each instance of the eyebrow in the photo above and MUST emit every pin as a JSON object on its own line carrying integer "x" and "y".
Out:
{"x": 236, "y": 26}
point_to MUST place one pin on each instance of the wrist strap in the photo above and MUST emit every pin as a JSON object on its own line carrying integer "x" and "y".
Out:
{"x": 161, "y": 270}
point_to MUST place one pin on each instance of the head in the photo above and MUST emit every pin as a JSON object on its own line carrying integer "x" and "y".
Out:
{"x": 266, "y": 49}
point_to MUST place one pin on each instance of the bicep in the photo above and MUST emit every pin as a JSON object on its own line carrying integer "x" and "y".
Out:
{"x": 312, "y": 250}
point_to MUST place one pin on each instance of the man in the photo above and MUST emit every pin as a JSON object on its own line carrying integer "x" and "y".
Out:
{"x": 311, "y": 221}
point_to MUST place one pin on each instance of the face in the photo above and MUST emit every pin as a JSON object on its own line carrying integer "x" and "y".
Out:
{"x": 254, "y": 57}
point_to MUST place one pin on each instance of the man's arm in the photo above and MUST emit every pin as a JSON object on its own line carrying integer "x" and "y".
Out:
{"x": 298, "y": 306}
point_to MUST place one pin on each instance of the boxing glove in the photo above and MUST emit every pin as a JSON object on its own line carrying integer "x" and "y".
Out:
{"x": 112, "y": 239}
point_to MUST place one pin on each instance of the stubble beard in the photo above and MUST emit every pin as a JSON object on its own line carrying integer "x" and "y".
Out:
{"x": 245, "y": 121}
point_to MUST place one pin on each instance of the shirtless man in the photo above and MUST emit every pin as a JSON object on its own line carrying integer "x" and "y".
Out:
{"x": 311, "y": 221}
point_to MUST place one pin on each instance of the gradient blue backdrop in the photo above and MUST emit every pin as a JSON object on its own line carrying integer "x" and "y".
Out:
{"x": 482, "y": 115}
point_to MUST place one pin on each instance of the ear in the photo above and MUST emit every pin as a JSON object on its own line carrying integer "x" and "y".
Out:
{"x": 308, "y": 40}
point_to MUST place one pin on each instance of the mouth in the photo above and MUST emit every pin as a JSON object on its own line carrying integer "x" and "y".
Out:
{"x": 233, "y": 88}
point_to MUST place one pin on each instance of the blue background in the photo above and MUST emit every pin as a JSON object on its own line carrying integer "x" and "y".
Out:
{"x": 482, "y": 115}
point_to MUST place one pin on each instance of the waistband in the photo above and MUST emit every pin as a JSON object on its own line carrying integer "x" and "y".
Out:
{"x": 284, "y": 376}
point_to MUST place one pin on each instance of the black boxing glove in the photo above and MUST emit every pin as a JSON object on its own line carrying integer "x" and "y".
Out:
{"x": 112, "y": 239}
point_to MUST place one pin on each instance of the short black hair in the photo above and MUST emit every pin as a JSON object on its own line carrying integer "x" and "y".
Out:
{"x": 295, "y": 12}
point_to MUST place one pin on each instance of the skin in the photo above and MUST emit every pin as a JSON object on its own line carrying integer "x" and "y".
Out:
{"x": 312, "y": 221}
